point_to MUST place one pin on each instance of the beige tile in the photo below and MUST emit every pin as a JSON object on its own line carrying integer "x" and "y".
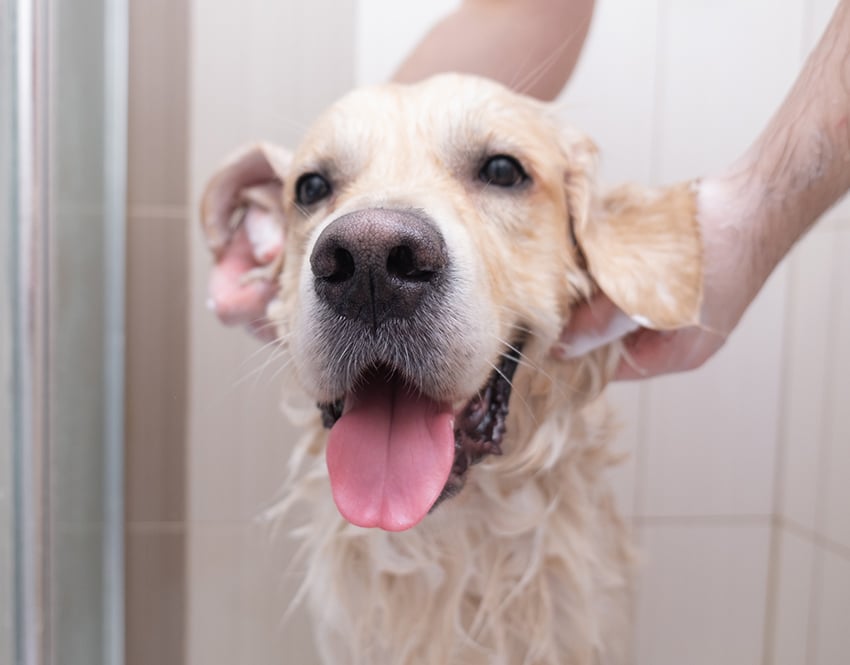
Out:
{"x": 836, "y": 482}
{"x": 702, "y": 594}
{"x": 155, "y": 619}
{"x": 713, "y": 106}
{"x": 158, "y": 99}
{"x": 711, "y": 435}
{"x": 791, "y": 600}
{"x": 805, "y": 385}
{"x": 831, "y": 629}
{"x": 625, "y": 400}
{"x": 156, "y": 382}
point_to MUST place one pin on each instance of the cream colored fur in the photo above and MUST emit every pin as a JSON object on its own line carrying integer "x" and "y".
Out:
{"x": 530, "y": 563}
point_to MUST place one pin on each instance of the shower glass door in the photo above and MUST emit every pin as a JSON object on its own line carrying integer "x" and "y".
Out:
{"x": 62, "y": 156}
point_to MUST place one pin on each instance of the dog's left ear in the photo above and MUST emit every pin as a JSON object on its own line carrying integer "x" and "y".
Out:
{"x": 250, "y": 182}
{"x": 641, "y": 246}
{"x": 242, "y": 216}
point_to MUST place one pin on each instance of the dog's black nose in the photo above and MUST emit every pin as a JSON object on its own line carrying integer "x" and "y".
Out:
{"x": 376, "y": 264}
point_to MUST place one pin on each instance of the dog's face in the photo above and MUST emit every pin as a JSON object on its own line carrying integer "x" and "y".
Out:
{"x": 437, "y": 237}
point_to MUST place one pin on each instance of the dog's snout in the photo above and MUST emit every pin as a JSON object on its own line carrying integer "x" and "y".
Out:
{"x": 378, "y": 263}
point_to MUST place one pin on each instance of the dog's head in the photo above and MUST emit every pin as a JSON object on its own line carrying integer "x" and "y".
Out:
{"x": 436, "y": 240}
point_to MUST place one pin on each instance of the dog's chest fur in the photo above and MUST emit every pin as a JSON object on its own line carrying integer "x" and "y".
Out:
{"x": 529, "y": 564}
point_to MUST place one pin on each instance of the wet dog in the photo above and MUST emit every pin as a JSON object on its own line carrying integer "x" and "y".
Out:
{"x": 433, "y": 242}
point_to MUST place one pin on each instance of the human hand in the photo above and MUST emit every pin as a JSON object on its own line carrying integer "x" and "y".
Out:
{"x": 647, "y": 352}
{"x": 730, "y": 282}
{"x": 242, "y": 281}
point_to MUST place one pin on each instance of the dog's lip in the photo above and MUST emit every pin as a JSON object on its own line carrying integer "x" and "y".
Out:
{"x": 479, "y": 424}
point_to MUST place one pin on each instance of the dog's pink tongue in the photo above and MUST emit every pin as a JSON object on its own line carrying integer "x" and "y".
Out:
{"x": 389, "y": 456}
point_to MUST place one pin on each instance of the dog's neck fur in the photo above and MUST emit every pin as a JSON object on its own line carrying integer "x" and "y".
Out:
{"x": 529, "y": 564}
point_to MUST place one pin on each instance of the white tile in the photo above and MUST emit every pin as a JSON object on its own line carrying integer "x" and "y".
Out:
{"x": 836, "y": 482}
{"x": 831, "y": 630}
{"x": 819, "y": 12}
{"x": 213, "y": 594}
{"x": 805, "y": 387}
{"x": 702, "y": 595}
{"x": 269, "y": 86}
{"x": 792, "y": 596}
{"x": 625, "y": 400}
{"x": 726, "y": 66}
{"x": 611, "y": 95}
{"x": 237, "y": 598}
{"x": 711, "y": 435}
{"x": 269, "y": 584}
{"x": 388, "y": 30}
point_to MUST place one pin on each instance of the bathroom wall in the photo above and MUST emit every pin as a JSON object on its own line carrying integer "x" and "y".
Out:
{"x": 261, "y": 69}
{"x": 158, "y": 214}
{"x": 735, "y": 484}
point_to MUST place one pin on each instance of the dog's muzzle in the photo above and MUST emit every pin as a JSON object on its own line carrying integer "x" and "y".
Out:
{"x": 378, "y": 264}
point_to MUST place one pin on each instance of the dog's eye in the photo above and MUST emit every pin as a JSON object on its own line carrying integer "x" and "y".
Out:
{"x": 311, "y": 188}
{"x": 502, "y": 171}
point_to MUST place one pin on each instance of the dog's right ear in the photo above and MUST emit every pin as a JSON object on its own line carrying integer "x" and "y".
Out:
{"x": 641, "y": 246}
{"x": 244, "y": 226}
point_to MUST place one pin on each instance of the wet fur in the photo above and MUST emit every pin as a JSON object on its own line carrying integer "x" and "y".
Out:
{"x": 530, "y": 563}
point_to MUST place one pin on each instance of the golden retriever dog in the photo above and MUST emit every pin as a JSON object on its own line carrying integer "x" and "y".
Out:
{"x": 452, "y": 483}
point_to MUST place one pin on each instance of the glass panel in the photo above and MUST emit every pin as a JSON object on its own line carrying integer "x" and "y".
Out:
{"x": 62, "y": 173}
{"x": 7, "y": 641}
{"x": 86, "y": 203}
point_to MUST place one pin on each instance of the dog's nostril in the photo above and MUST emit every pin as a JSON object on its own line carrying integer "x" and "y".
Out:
{"x": 333, "y": 264}
{"x": 343, "y": 266}
{"x": 401, "y": 262}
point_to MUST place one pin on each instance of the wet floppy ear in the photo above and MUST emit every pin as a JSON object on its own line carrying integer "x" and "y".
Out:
{"x": 641, "y": 246}
{"x": 242, "y": 219}
{"x": 249, "y": 186}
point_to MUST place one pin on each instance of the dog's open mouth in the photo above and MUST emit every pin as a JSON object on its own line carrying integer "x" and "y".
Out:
{"x": 393, "y": 453}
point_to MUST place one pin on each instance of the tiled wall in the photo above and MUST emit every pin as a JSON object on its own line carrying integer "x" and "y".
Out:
{"x": 157, "y": 321}
{"x": 737, "y": 480}
{"x": 261, "y": 70}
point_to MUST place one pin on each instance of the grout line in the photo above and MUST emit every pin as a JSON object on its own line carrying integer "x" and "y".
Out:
{"x": 641, "y": 455}
{"x": 156, "y": 527}
{"x": 659, "y": 80}
{"x": 644, "y": 391}
{"x": 775, "y": 547}
{"x": 840, "y": 550}
{"x": 823, "y": 464}
{"x": 177, "y": 212}
{"x": 703, "y": 520}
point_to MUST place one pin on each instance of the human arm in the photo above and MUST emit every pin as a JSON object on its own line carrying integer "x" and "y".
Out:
{"x": 752, "y": 213}
{"x": 531, "y": 46}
